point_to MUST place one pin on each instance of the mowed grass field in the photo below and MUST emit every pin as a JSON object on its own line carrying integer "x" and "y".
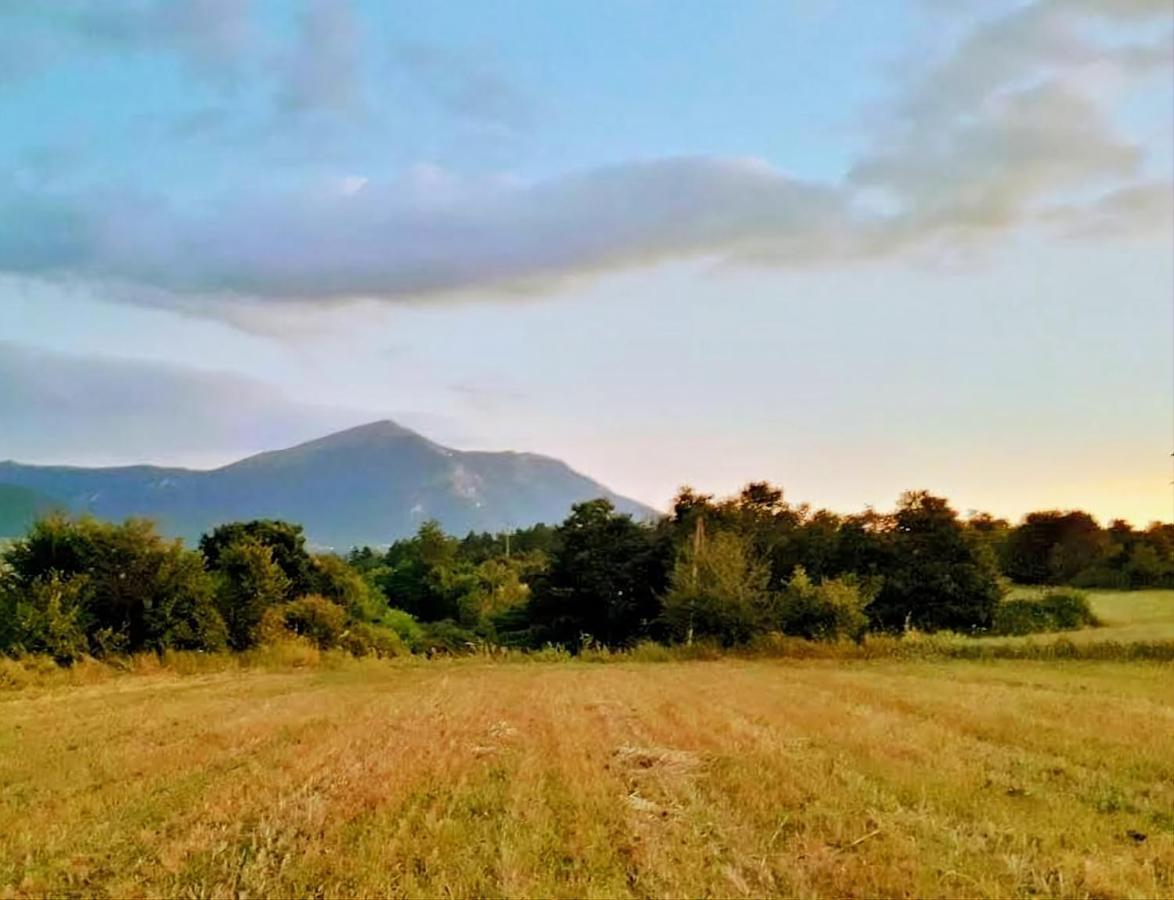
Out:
{"x": 719, "y": 778}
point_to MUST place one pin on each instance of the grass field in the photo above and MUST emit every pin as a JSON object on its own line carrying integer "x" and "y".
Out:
{"x": 726, "y": 778}
{"x": 1127, "y": 616}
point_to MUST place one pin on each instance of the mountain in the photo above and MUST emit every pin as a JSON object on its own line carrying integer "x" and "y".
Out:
{"x": 367, "y": 485}
{"x": 20, "y": 507}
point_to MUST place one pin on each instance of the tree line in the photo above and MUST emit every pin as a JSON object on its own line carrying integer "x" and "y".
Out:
{"x": 718, "y": 570}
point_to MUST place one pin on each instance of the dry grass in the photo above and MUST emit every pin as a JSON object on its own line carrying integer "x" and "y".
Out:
{"x": 726, "y": 778}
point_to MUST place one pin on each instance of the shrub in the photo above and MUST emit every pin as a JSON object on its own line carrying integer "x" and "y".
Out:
{"x": 313, "y": 618}
{"x": 1069, "y": 610}
{"x": 335, "y": 580}
{"x": 832, "y": 609}
{"x": 129, "y": 589}
{"x": 48, "y": 618}
{"x": 446, "y": 636}
{"x": 365, "y": 639}
{"x": 405, "y": 625}
{"x": 1055, "y": 611}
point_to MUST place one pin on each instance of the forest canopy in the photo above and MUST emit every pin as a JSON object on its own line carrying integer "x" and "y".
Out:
{"x": 717, "y": 570}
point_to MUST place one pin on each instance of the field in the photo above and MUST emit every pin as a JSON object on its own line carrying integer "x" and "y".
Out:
{"x": 1126, "y": 616}
{"x": 720, "y": 778}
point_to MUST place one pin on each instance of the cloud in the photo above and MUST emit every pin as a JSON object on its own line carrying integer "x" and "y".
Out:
{"x": 1137, "y": 208}
{"x": 322, "y": 71}
{"x": 985, "y": 174}
{"x": 467, "y": 85}
{"x": 1013, "y": 118}
{"x": 426, "y": 233}
{"x": 126, "y": 412}
{"x": 1010, "y": 128}
{"x": 213, "y": 37}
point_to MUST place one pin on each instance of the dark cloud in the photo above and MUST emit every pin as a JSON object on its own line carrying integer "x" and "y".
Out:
{"x": 90, "y": 410}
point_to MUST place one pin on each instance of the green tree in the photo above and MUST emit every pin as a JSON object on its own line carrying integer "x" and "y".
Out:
{"x": 718, "y": 589}
{"x": 935, "y": 578}
{"x": 286, "y": 543}
{"x": 1053, "y": 547}
{"x": 495, "y": 586}
{"x": 334, "y": 579}
{"x": 423, "y": 575}
{"x": 249, "y": 583}
{"x": 605, "y": 577}
{"x": 135, "y": 590}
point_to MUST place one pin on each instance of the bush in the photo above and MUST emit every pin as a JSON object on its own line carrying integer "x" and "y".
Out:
{"x": 832, "y": 609}
{"x": 1069, "y": 610}
{"x": 48, "y": 618}
{"x": 365, "y": 639}
{"x": 405, "y": 625}
{"x": 1055, "y": 611}
{"x": 313, "y": 618}
{"x": 335, "y": 580}
{"x": 126, "y": 587}
{"x": 446, "y": 636}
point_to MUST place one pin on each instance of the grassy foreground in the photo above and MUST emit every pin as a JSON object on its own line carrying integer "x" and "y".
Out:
{"x": 726, "y": 778}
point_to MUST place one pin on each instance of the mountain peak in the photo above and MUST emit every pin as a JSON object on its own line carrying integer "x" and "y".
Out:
{"x": 381, "y": 428}
{"x": 369, "y": 434}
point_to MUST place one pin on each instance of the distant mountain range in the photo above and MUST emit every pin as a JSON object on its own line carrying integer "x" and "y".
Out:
{"x": 366, "y": 485}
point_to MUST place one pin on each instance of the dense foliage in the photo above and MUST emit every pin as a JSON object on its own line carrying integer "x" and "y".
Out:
{"x": 724, "y": 571}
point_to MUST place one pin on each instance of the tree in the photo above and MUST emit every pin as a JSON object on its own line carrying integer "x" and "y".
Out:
{"x": 249, "y": 583}
{"x": 605, "y": 577}
{"x": 496, "y": 586}
{"x": 935, "y": 579}
{"x": 719, "y": 589}
{"x": 423, "y": 575}
{"x": 832, "y": 609}
{"x": 286, "y": 543}
{"x": 341, "y": 584}
{"x": 132, "y": 589}
{"x": 1054, "y": 547}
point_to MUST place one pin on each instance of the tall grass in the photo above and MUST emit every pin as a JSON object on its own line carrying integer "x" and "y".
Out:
{"x": 291, "y": 655}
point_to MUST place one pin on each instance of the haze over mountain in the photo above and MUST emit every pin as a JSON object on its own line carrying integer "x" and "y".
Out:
{"x": 366, "y": 485}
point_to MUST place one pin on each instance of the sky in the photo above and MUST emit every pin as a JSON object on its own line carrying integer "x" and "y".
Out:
{"x": 852, "y": 248}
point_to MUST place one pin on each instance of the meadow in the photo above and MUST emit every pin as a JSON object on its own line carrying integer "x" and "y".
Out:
{"x": 463, "y": 777}
{"x": 1125, "y": 616}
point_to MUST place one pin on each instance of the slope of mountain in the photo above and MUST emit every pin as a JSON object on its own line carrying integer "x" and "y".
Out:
{"x": 20, "y": 507}
{"x": 369, "y": 484}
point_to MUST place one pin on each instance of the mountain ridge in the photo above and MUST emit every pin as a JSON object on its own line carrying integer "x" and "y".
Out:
{"x": 371, "y": 483}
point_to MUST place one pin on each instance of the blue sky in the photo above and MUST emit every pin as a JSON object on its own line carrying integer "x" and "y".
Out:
{"x": 853, "y": 248}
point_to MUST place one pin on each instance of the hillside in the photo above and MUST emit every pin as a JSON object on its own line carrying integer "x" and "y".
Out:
{"x": 369, "y": 484}
{"x": 20, "y": 506}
